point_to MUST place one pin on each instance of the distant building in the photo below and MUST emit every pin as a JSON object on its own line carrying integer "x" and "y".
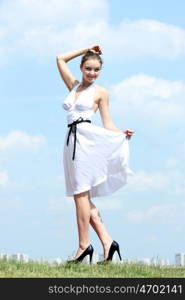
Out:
{"x": 55, "y": 261}
{"x": 180, "y": 259}
{"x": 6, "y": 256}
{"x": 1, "y": 255}
{"x": 148, "y": 261}
{"x": 18, "y": 257}
{"x": 145, "y": 261}
{"x": 156, "y": 261}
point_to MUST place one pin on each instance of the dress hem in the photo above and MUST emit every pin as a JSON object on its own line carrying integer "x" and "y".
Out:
{"x": 87, "y": 188}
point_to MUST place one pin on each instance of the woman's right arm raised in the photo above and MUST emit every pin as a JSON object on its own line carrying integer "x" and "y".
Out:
{"x": 65, "y": 72}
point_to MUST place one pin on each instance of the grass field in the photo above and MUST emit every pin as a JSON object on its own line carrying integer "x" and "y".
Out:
{"x": 13, "y": 269}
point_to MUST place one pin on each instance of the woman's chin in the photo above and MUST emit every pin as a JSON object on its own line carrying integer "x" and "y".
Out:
{"x": 91, "y": 79}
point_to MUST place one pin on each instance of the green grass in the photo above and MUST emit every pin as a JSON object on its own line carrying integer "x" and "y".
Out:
{"x": 13, "y": 269}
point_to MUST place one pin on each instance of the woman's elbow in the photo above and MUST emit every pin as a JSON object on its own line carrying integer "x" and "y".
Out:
{"x": 59, "y": 58}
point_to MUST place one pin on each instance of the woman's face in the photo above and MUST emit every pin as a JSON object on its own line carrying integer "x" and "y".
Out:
{"x": 90, "y": 70}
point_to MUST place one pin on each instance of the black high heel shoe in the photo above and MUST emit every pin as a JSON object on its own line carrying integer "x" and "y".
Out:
{"x": 114, "y": 247}
{"x": 88, "y": 251}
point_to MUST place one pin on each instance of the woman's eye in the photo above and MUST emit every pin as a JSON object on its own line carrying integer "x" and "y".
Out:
{"x": 89, "y": 69}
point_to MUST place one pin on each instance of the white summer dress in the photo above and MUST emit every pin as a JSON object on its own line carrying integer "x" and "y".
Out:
{"x": 95, "y": 159}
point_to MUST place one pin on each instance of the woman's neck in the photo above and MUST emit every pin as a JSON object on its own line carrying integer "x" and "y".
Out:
{"x": 86, "y": 84}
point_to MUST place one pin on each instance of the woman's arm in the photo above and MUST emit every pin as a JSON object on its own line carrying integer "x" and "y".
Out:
{"x": 62, "y": 59}
{"x": 104, "y": 111}
{"x": 105, "y": 115}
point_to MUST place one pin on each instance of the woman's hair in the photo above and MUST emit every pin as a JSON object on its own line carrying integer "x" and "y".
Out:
{"x": 90, "y": 54}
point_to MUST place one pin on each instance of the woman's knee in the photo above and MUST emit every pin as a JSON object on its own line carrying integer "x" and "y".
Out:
{"x": 81, "y": 195}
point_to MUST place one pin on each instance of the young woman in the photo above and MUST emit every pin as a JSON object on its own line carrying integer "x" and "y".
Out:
{"x": 95, "y": 158}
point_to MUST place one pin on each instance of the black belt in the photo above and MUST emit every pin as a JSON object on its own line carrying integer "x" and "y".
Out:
{"x": 73, "y": 129}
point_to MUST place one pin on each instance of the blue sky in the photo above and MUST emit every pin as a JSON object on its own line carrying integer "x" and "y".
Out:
{"x": 143, "y": 46}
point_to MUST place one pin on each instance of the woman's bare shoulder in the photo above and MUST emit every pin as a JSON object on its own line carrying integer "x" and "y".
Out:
{"x": 102, "y": 91}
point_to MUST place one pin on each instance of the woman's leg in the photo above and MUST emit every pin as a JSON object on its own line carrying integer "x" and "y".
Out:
{"x": 83, "y": 218}
{"x": 97, "y": 224}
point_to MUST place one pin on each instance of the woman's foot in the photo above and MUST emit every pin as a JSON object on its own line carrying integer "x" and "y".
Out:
{"x": 114, "y": 247}
{"x": 80, "y": 250}
{"x": 88, "y": 251}
{"x": 106, "y": 247}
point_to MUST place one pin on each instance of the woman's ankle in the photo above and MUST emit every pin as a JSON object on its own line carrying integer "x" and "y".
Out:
{"x": 84, "y": 245}
{"x": 107, "y": 243}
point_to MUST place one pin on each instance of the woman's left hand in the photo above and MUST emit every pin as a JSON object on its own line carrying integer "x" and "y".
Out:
{"x": 96, "y": 49}
{"x": 128, "y": 133}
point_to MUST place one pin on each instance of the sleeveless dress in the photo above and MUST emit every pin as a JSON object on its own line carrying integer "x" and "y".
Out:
{"x": 100, "y": 164}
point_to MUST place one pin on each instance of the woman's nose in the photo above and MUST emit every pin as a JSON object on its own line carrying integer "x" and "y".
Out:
{"x": 92, "y": 72}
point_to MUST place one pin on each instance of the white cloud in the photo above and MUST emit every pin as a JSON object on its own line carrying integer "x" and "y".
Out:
{"x": 149, "y": 97}
{"x": 108, "y": 204}
{"x": 60, "y": 204}
{"x": 113, "y": 203}
{"x": 56, "y": 204}
{"x": 45, "y": 28}
{"x": 144, "y": 181}
{"x": 17, "y": 139}
{"x": 178, "y": 157}
{"x": 151, "y": 37}
{"x": 4, "y": 180}
{"x": 122, "y": 40}
{"x": 169, "y": 213}
{"x": 52, "y": 11}
{"x": 169, "y": 181}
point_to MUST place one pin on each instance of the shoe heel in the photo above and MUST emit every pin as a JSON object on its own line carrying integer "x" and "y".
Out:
{"x": 119, "y": 253}
{"x": 90, "y": 259}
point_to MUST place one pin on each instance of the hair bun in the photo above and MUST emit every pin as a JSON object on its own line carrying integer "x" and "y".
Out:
{"x": 93, "y": 51}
